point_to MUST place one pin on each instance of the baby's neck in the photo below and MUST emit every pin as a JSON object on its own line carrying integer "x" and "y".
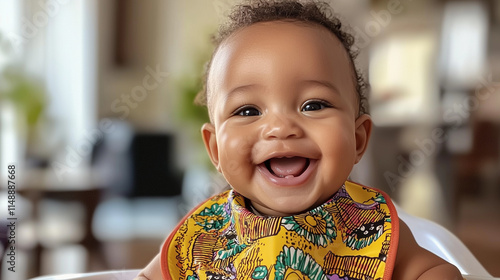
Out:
{"x": 253, "y": 210}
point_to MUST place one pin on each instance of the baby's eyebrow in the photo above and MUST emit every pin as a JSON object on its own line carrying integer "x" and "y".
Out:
{"x": 322, "y": 83}
{"x": 243, "y": 88}
{"x": 305, "y": 83}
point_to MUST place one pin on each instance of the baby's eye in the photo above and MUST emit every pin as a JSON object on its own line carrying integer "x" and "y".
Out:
{"x": 247, "y": 111}
{"x": 315, "y": 105}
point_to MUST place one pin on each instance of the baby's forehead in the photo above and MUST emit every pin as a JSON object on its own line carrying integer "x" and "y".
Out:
{"x": 257, "y": 48}
{"x": 260, "y": 33}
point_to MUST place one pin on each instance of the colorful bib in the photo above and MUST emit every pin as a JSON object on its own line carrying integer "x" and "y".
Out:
{"x": 354, "y": 235}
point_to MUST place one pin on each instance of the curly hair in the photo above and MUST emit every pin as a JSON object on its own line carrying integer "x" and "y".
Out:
{"x": 310, "y": 12}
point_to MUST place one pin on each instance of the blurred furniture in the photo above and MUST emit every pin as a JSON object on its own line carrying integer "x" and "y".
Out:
{"x": 82, "y": 187}
{"x": 154, "y": 166}
{"x": 142, "y": 197}
{"x": 136, "y": 164}
{"x": 477, "y": 170}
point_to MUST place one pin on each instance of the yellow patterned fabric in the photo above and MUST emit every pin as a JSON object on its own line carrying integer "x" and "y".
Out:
{"x": 354, "y": 235}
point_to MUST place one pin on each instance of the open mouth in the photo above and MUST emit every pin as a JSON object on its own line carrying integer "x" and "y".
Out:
{"x": 287, "y": 171}
{"x": 287, "y": 167}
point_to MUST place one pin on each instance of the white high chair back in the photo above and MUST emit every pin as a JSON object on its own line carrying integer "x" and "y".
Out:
{"x": 429, "y": 235}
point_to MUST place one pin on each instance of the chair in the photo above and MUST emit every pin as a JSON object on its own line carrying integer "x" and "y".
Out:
{"x": 434, "y": 238}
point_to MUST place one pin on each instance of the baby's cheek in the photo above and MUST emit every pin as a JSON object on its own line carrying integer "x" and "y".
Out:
{"x": 235, "y": 152}
{"x": 234, "y": 139}
{"x": 339, "y": 157}
{"x": 231, "y": 170}
{"x": 242, "y": 146}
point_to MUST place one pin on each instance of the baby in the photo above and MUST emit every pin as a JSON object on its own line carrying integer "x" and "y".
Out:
{"x": 288, "y": 123}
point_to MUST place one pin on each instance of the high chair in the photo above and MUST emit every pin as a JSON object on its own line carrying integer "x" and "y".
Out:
{"x": 429, "y": 235}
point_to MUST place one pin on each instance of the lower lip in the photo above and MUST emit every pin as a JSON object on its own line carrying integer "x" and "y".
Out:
{"x": 293, "y": 181}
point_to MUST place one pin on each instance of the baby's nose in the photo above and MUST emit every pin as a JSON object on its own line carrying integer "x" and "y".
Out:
{"x": 281, "y": 126}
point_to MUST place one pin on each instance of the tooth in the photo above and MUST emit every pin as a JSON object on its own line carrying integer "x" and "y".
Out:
{"x": 289, "y": 176}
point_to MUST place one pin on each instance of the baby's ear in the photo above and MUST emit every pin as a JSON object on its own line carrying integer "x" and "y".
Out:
{"x": 363, "y": 131}
{"x": 210, "y": 140}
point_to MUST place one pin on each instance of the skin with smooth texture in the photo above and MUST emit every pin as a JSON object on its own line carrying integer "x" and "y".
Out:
{"x": 284, "y": 92}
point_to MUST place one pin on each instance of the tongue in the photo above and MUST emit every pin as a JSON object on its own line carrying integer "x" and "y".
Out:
{"x": 284, "y": 167}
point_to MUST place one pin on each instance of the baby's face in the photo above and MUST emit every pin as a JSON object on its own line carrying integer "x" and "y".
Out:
{"x": 285, "y": 132}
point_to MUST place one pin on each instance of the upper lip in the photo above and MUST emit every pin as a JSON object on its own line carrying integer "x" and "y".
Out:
{"x": 284, "y": 154}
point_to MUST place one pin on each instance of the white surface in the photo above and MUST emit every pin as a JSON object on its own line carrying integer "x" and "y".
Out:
{"x": 103, "y": 275}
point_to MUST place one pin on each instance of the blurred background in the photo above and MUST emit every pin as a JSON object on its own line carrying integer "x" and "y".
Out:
{"x": 96, "y": 115}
